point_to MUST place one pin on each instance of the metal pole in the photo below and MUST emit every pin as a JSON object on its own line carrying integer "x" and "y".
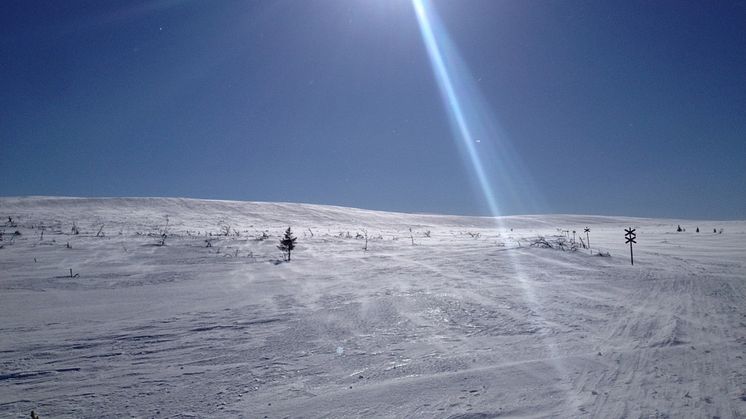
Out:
{"x": 588, "y": 239}
{"x": 630, "y": 236}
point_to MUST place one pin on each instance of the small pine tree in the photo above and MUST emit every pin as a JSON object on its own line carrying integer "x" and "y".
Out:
{"x": 287, "y": 244}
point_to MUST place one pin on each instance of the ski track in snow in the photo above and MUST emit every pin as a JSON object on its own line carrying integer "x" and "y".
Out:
{"x": 456, "y": 326}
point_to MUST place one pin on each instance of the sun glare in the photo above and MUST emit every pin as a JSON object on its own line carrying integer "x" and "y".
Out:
{"x": 471, "y": 122}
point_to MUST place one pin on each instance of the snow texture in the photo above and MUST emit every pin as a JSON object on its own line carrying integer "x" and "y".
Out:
{"x": 470, "y": 322}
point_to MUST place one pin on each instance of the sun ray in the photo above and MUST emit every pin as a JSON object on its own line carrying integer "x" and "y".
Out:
{"x": 469, "y": 115}
{"x": 453, "y": 103}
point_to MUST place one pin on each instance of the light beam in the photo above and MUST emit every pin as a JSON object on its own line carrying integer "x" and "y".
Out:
{"x": 472, "y": 121}
{"x": 453, "y": 103}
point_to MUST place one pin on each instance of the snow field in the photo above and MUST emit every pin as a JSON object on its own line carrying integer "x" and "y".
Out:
{"x": 457, "y": 325}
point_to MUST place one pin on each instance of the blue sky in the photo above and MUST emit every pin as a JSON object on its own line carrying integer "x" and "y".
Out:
{"x": 599, "y": 107}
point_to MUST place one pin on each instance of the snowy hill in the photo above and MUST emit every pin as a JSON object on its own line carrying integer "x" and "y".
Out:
{"x": 457, "y": 317}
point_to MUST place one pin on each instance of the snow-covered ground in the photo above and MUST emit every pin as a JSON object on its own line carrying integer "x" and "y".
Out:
{"x": 470, "y": 322}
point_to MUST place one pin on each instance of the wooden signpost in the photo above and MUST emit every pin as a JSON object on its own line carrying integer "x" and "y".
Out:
{"x": 630, "y": 236}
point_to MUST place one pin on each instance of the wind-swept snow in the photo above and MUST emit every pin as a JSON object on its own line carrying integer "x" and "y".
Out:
{"x": 469, "y": 322}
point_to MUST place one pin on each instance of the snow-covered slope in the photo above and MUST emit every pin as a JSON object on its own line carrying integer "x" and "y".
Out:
{"x": 469, "y": 321}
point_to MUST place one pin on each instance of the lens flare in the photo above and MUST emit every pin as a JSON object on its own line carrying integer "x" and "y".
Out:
{"x": 454, "y": 103}
{"x": 482, "y": 142}
{"x": 496, "y": 164}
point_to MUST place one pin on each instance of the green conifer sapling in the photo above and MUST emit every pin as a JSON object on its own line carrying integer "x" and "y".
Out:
{"x": 287, "y": 244}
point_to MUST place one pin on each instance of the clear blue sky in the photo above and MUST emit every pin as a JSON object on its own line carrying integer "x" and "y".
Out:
{"x": 612, "y": 107}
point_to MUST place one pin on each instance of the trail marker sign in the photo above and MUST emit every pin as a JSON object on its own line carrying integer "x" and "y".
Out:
{"x": 629, "y": 234}
{"x": 588, "y": 239}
